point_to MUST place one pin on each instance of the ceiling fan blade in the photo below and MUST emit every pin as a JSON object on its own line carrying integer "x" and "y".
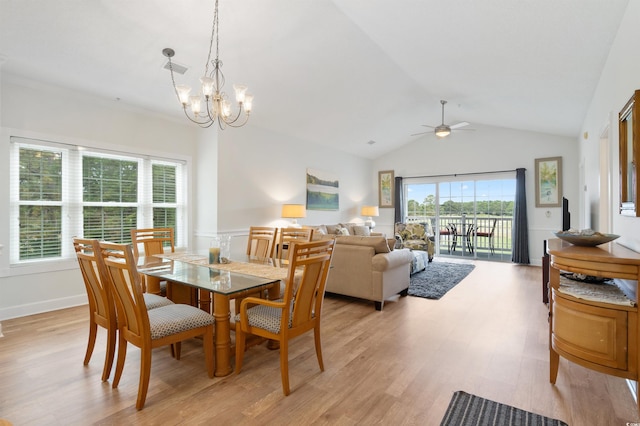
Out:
{"x": 459, "y": 125}
{"x": 426, "y": 125}
{"x": 421, "y": 133}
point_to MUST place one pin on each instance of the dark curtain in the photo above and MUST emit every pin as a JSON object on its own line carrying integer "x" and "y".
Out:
{"x": 520, "y": 232}
{"x": 398, "y": 202}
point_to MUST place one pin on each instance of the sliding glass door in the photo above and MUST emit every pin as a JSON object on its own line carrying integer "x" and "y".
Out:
{"x": 469, "y": 217}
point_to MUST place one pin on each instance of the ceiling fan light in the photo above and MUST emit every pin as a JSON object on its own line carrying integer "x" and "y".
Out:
{"x": 442, "y": 131}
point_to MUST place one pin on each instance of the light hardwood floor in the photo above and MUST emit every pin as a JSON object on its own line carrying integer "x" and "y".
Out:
{"x": 487, "y": 336}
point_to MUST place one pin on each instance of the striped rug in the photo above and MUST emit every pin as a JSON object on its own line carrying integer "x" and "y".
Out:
{"x": 466, "y": 409}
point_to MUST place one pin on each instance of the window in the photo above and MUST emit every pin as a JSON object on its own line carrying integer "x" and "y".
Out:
{"x": 40, "y": 212}
{"x": 60, "y": 191}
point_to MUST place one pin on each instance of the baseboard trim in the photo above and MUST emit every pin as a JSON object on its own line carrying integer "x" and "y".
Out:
{"x": 41, "y": 307}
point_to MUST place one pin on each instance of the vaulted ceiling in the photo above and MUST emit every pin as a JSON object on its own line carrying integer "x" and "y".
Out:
{"x": 335, "y": 72}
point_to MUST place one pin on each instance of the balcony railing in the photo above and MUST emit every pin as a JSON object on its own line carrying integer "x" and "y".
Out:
{"x": 467, "y": 241}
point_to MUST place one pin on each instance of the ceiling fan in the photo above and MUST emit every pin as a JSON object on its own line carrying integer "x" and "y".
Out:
{"x": 443, "y": 130}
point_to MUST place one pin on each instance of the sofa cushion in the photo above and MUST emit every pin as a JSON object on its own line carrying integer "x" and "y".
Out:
{"x": 361, "y": 230}
{"x": 379, "y": 244}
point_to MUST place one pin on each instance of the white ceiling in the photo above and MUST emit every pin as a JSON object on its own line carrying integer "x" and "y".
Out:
{"x": 334, "y": 72}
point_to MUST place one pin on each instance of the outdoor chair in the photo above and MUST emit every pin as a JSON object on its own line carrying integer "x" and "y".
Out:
{"x": 489, "y": 234}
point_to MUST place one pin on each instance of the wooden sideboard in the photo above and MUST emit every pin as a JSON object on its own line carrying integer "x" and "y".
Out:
{"x": 594, "y": 334}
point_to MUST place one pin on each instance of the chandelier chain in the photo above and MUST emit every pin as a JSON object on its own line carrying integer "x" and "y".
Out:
{"x": 214, "y": 31}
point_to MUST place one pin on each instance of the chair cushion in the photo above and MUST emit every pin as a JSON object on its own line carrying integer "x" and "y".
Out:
{"x": 265, "y": 317}
{"x": 175, "y": 318}
{"x": 154, "y": 301}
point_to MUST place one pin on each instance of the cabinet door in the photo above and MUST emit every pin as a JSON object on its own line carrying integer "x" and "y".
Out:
{"x": 592, "y": 333}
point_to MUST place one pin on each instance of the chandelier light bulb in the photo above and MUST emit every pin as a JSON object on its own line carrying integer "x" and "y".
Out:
{"x": 226, "y": 109}
{"x": 183, "y": 93}
{"x": 240, "y": 92}
{"x": 196, "y": 104}
{"x": 207, "y": 86}
{"x": 248, "y": 102}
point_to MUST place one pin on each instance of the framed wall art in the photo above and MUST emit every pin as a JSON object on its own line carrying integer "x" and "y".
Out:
{"x": 322, "y": 191}
{"x": 549, "y": 182}
{"x": 385, "y": 188}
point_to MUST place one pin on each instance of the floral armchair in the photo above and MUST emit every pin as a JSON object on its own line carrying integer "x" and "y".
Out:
{"x": 415, "y": 236}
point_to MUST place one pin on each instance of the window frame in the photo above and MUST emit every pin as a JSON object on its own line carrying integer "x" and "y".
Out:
{"x": 72, "y": 199}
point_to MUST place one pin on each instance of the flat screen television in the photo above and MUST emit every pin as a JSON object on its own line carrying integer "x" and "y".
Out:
{"x": 566, "y": 216}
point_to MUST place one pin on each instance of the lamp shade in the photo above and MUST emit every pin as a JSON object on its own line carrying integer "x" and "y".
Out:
{"x": 370, "y": 211}
{"x": 294, "y": 211}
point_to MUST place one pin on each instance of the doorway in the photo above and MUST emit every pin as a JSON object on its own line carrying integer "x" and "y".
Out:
{"x": 470, "y": 217}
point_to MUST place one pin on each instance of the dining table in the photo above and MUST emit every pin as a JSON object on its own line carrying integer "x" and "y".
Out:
{"x": 192, "y": 280}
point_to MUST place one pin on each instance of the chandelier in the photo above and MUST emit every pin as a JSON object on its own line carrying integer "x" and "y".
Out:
{"x": 217, "y": 107}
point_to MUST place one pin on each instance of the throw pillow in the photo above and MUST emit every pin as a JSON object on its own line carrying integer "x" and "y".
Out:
{"x": 343, "y": 231}
{"x": 362, "y": 230}
{"x": 391, "y": 242}
{"x": 349, "y": 227}
{"x": 332, "y": 229}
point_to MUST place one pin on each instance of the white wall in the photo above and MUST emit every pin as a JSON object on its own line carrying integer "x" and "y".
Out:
{"x": 33, "y": 110}
{"x": 492, "y": 149}
{"x": 619, "y": 79}
{"x": 260, "y": 170}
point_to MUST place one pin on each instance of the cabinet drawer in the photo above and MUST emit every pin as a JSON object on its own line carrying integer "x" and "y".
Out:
{"x": 592, "y": 333}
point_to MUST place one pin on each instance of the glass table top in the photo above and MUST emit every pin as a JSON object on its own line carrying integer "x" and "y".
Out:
{"x": 202, "y": 276}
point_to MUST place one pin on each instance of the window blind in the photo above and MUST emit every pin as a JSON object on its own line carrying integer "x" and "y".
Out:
{"x": 59, "y": 191}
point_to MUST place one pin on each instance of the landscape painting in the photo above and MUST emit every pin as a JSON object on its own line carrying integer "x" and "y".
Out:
{"x": 322, "y": 190}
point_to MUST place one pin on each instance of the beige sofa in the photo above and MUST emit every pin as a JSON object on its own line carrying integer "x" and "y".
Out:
{"x": 366, "y": 268}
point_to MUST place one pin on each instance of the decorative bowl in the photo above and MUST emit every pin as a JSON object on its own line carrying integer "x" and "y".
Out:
{"x": 586, "y": 240}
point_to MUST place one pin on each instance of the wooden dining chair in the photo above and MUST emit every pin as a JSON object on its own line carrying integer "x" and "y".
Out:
{"x": 149, "y": 329}
{"x": 260, "y": 244}
{"x": 287, "y": 235}
{"x": 262, "y": 241}
{"x": 153, "y": 241}
{"x": 102, "y": 308}
{"x": 299, "y": 311}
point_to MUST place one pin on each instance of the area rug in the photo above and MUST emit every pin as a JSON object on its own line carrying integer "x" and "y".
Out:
{"x": 438, "y": 278}
{"x": 466, "y": 409}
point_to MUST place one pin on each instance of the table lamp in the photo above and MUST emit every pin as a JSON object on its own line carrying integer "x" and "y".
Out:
{"x": 370, "y": 211}
{"x": 294, "y": 211}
